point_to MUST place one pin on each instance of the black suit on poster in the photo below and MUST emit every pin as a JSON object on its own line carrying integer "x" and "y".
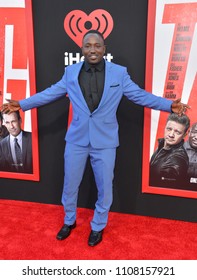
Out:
{"x": 6, "y": 160}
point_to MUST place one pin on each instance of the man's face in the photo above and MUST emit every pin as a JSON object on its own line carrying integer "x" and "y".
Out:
{"x": 12, "y": 123}
{"x": 173, "y": 134}
{"x": 193, "y": 137}
{"x": 93, "y": 48}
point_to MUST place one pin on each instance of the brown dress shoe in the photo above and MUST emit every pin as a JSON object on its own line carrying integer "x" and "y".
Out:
{"x": 65, "y": 231}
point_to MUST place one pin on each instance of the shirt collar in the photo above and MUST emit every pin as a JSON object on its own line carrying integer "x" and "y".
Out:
{"x": 161, "y": 144}
{"x": 19, "y": 137}
{"x": 99, "y": 66}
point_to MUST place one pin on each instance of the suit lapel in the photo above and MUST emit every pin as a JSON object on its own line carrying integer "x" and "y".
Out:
{"x": 107, "y": 82}
{"x": 82, "y": 103}
{"x": 79, "y": 95}
{"x": 24, "y": 143}
{"x": 9, "y": 153}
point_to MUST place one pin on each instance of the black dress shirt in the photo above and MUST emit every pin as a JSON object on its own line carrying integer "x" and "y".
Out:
{"x": 85, "y": 80}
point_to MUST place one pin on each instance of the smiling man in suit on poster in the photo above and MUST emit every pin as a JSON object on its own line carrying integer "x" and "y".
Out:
{"x": 95, "y": 88}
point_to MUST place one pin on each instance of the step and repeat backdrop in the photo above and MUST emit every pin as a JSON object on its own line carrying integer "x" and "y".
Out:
{"x": 155, "y": 40}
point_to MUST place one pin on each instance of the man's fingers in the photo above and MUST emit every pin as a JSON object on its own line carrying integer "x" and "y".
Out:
{"x": 187, "y": 106}
{"x": 6, "y": 111}
{"x": 10, "y": 106}
{"x": 5, "y": 108}
{"x": 177, "y": 100}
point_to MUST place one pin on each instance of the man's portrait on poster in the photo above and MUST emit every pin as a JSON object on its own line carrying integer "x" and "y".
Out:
{"x": 169, "y": 163}
{"x": 191, "y": 148}
{"x": 19, "y": 154}
{"x": 16, "y": 147}
{"x": 177, "y": 78}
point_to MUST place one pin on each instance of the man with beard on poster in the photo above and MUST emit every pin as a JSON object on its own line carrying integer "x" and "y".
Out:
{"x": 169, "y": 163}
{"x": 95, "y": 88}
{"x": 191, "y": 148}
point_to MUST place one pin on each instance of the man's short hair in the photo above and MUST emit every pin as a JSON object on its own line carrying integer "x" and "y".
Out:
{"x": 94, "y": 31}
{"x": 17, "y": 114}
{"x": 194, "y": 125}
{"x": 184, "y": 120}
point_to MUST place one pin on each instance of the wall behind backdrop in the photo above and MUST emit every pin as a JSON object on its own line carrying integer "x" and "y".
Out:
{"x": 127, "y": 45}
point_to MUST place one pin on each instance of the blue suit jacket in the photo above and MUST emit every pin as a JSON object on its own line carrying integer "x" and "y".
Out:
{"x": 99, "y": 128}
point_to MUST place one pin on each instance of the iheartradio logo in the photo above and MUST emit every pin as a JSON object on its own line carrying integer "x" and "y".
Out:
{"x": 77, "y": 23}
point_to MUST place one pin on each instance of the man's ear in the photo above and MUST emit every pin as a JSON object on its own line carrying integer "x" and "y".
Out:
{"x": 105, "y": 48}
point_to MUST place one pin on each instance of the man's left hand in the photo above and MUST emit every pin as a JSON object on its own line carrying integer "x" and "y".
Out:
{"x": 178, "y": 107}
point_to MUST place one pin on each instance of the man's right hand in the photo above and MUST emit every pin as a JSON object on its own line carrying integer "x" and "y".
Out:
{"x": 10, "y": 107}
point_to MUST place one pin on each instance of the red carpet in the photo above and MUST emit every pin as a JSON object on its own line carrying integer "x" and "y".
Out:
{"x": 28, "y": 230}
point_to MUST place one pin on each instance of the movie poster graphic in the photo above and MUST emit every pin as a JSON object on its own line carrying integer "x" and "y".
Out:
{"x": 18, "y": 157}
{"x": 170, "y": 155}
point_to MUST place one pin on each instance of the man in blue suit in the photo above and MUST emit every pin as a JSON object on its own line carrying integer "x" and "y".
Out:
{"x": 95, "y": 88}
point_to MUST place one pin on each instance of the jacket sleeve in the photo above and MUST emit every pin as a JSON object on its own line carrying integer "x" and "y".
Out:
{"x": 141, "y": 97}
{"x": 46, "y": 96}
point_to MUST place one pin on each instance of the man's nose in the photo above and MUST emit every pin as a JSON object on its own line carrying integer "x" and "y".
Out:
{"x": 171, "y": 134}
{"x": 92, "y": 48}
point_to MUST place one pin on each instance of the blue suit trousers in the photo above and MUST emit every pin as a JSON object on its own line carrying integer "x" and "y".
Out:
{"x": 102, "y": 162}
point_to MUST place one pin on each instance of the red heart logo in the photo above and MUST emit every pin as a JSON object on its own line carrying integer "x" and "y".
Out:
{"x": 77, "y": 23}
